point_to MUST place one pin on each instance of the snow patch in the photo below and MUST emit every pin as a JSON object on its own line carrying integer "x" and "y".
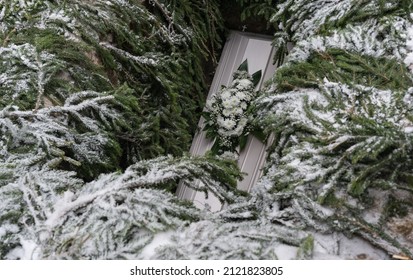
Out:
{"x": 160, "y": 239}
{"x": 29, "y": 250}
{"x": 408, "y": 129}
{"x": 409, "y": 45}
{"x": 286, "y": 252}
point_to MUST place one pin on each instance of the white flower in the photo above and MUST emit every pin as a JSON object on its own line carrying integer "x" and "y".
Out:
{"x": 225, "y": 123}
{"x": 225, "y": 95}
{"x": 244, "y": 83}
{"x": 227, "y": 104}
{"x": 238, "y": 111}
{"x": 222, "y": 132}
{"x": 227, "y": 112}
{"x": 241, "y": 95}
{"x": 238, "y": 130}
{"x": 229, "y": 124}
{"x": 229, "y": 156}
{"x": 231, "y": 102}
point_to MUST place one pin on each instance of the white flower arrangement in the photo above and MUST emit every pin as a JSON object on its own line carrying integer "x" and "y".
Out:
{"x": 227, "y": 111}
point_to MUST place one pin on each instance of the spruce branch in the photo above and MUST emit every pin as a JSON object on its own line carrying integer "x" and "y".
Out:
{"x": 168, "y": 18}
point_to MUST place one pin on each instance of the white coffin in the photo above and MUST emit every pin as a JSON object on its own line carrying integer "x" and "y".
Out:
{"x": 259, "y": 52}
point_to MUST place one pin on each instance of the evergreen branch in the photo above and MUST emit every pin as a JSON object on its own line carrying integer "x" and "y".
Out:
{"x": 169, "y": 19}
{"x": 7, "y": 38}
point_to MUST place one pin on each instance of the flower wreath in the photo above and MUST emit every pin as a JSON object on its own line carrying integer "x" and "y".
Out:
{"x": 228, "y": 112}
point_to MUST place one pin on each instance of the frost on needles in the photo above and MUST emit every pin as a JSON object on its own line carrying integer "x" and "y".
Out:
{"x": 91, "y": 100}
{"x": 85, "y": 131}
{"x": 52, "y": 214}
{"x": 337, "y": 182}
{"x": 340, "y": 110}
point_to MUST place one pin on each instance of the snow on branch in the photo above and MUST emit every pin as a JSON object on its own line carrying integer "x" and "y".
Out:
{"x": 33, "y": 139}
{"x": 109, "y": 217}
